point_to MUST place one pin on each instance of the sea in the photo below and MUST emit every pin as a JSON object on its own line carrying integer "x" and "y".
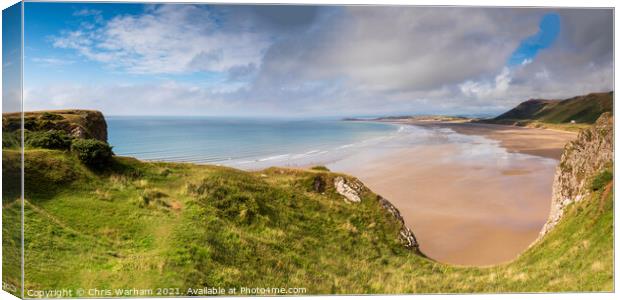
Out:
{"x": 246, "y": 143}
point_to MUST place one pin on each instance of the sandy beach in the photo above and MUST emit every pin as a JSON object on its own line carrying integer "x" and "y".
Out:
{"x": 473, "y": 194}
{"x": 540, "y": 142}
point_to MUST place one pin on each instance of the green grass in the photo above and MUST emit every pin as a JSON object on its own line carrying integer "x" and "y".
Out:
{"x": 582, "y": 109}
{"x": 320, "y": 168}
{"x": 576, "y": 127}
{"x": 148, "y": 225}
{"x": 555, "y": 114}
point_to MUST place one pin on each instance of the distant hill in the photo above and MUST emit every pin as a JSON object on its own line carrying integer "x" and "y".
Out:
{"x": 581, "y": 109}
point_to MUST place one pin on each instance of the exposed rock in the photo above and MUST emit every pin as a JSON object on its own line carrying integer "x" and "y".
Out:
{"x": 583, "y": 158}
{"x": 406, "y": 236}
{"x": 78, "y": 132}
{"x": 349, "y": 189}
{"x": 352, "y": 189}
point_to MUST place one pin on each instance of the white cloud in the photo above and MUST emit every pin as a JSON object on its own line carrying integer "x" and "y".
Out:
{"x": 52, "y": 61}
{"x": 389, "y": 49}
{"x": 87, "y": 12}
{"x": 160, "y": 98}
{"x": 542, "y": 75}
{"x": 168, "y": 39}
{"x": 350, "y": 60}
{"x": 487, "y": 89}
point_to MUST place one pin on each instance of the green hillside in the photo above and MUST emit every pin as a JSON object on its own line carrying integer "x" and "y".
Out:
{"x": 581, "y": 109}
{"x": 147, "y": 225}
{"x": 93, "y": 220}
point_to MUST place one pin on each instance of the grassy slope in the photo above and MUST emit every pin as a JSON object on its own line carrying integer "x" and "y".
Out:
{"x": 147, "y": 225}
{"x": 557, "y": 114}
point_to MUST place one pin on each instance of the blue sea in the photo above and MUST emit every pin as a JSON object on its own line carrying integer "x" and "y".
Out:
{"x": 246, "y": 143}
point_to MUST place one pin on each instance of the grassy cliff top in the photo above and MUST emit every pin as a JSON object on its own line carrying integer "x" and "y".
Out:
{"x": 179, "y": 225}
{"x": 78, "y": 123}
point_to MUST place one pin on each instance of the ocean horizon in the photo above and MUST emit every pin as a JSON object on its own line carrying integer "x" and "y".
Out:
{"x": 243, "y": 142}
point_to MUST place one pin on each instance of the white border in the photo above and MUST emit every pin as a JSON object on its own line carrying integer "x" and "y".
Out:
{"x": 504, "y": 3}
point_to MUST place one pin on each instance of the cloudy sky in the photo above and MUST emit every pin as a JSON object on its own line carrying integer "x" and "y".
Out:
{"x": 131, "y": 59}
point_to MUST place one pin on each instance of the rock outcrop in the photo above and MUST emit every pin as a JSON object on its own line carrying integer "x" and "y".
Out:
{"x": 352, "y": 190}
{"x": 406, "y": 236}
{"x": 83, "y": 124}
{"x": 583, "y": 158}
{"x": 349, "y": 189}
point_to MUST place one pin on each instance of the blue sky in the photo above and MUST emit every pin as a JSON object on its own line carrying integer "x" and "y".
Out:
{"x": 11, "y": 56}
{"x": 46, "y": 64}
{"x": 548, "y": 32}
{"x": 308, "y": 60}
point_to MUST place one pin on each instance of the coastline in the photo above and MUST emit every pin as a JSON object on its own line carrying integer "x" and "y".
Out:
{"x": 547, "y": 143}
{"x": 461, "y": 213}
{"x": 462, "y": 193}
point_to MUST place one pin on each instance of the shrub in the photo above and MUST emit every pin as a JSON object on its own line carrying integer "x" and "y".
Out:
{"x": 320, "y": 168}
{"x": 237, "y": 197}
{"x": 50, "y": 116}
{"x": 92, "y": 152}
{"x": 30, "y": 123}
{"x": 52, "y": 139}
{"x": 601, "y": 180}
{"x": 11, "y": 139}
{"x": 153, "y": 198}
{"x": 319, "y": 183}
{"x": 41, "y": 125}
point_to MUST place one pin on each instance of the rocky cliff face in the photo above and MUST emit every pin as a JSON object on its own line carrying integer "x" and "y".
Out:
{"x": 352, "y": 189}
{"x": 406, "y": 235}
{"x": 583, "y": 158}
{"x": 83, "y": 124}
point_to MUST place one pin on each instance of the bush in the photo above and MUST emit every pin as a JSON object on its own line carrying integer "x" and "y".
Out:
{"x": 30, "y": 123}
{"x": 92, "y": 152}
{"x": 52, "y": 139}
{"x": 11, "y": 139}
{"x": 153, "y": 197}
{"x": 320, "y": 168}
{"x": 601, "y": 180}
{"x": 50, "y": 116}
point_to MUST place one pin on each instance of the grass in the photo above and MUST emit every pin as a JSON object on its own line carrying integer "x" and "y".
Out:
{"x": 320, "y": 168}
{"x": 581, "y": 109}
{"x": 572, "y": 127}
{"x": 559, "y": 115}
{"x": 148, "y": 225}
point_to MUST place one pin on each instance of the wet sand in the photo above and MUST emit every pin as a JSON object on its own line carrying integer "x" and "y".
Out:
{"x": 476, "y": 197}
{"x": 540, "y": 142}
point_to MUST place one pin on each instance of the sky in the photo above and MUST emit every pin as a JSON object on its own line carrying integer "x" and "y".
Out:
{"x": 11, "y": 57}
{"x": 243, "y": 60}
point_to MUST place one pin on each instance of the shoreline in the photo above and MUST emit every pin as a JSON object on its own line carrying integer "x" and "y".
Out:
{"x": 553, "y": 139}
{"x": 472, "y": 229}
{"x": 462, "y": 193}
{"x": 541, "y": 142}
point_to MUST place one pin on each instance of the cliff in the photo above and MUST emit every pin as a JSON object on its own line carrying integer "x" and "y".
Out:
{"x": 77, "y": 123}
{"x": 582, "y": 159}
{"x": 352, "y": 189}
{"x": 190, "y": 224}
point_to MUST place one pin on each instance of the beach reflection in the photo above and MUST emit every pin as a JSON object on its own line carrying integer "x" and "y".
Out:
{"x": 468, "y": 200}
